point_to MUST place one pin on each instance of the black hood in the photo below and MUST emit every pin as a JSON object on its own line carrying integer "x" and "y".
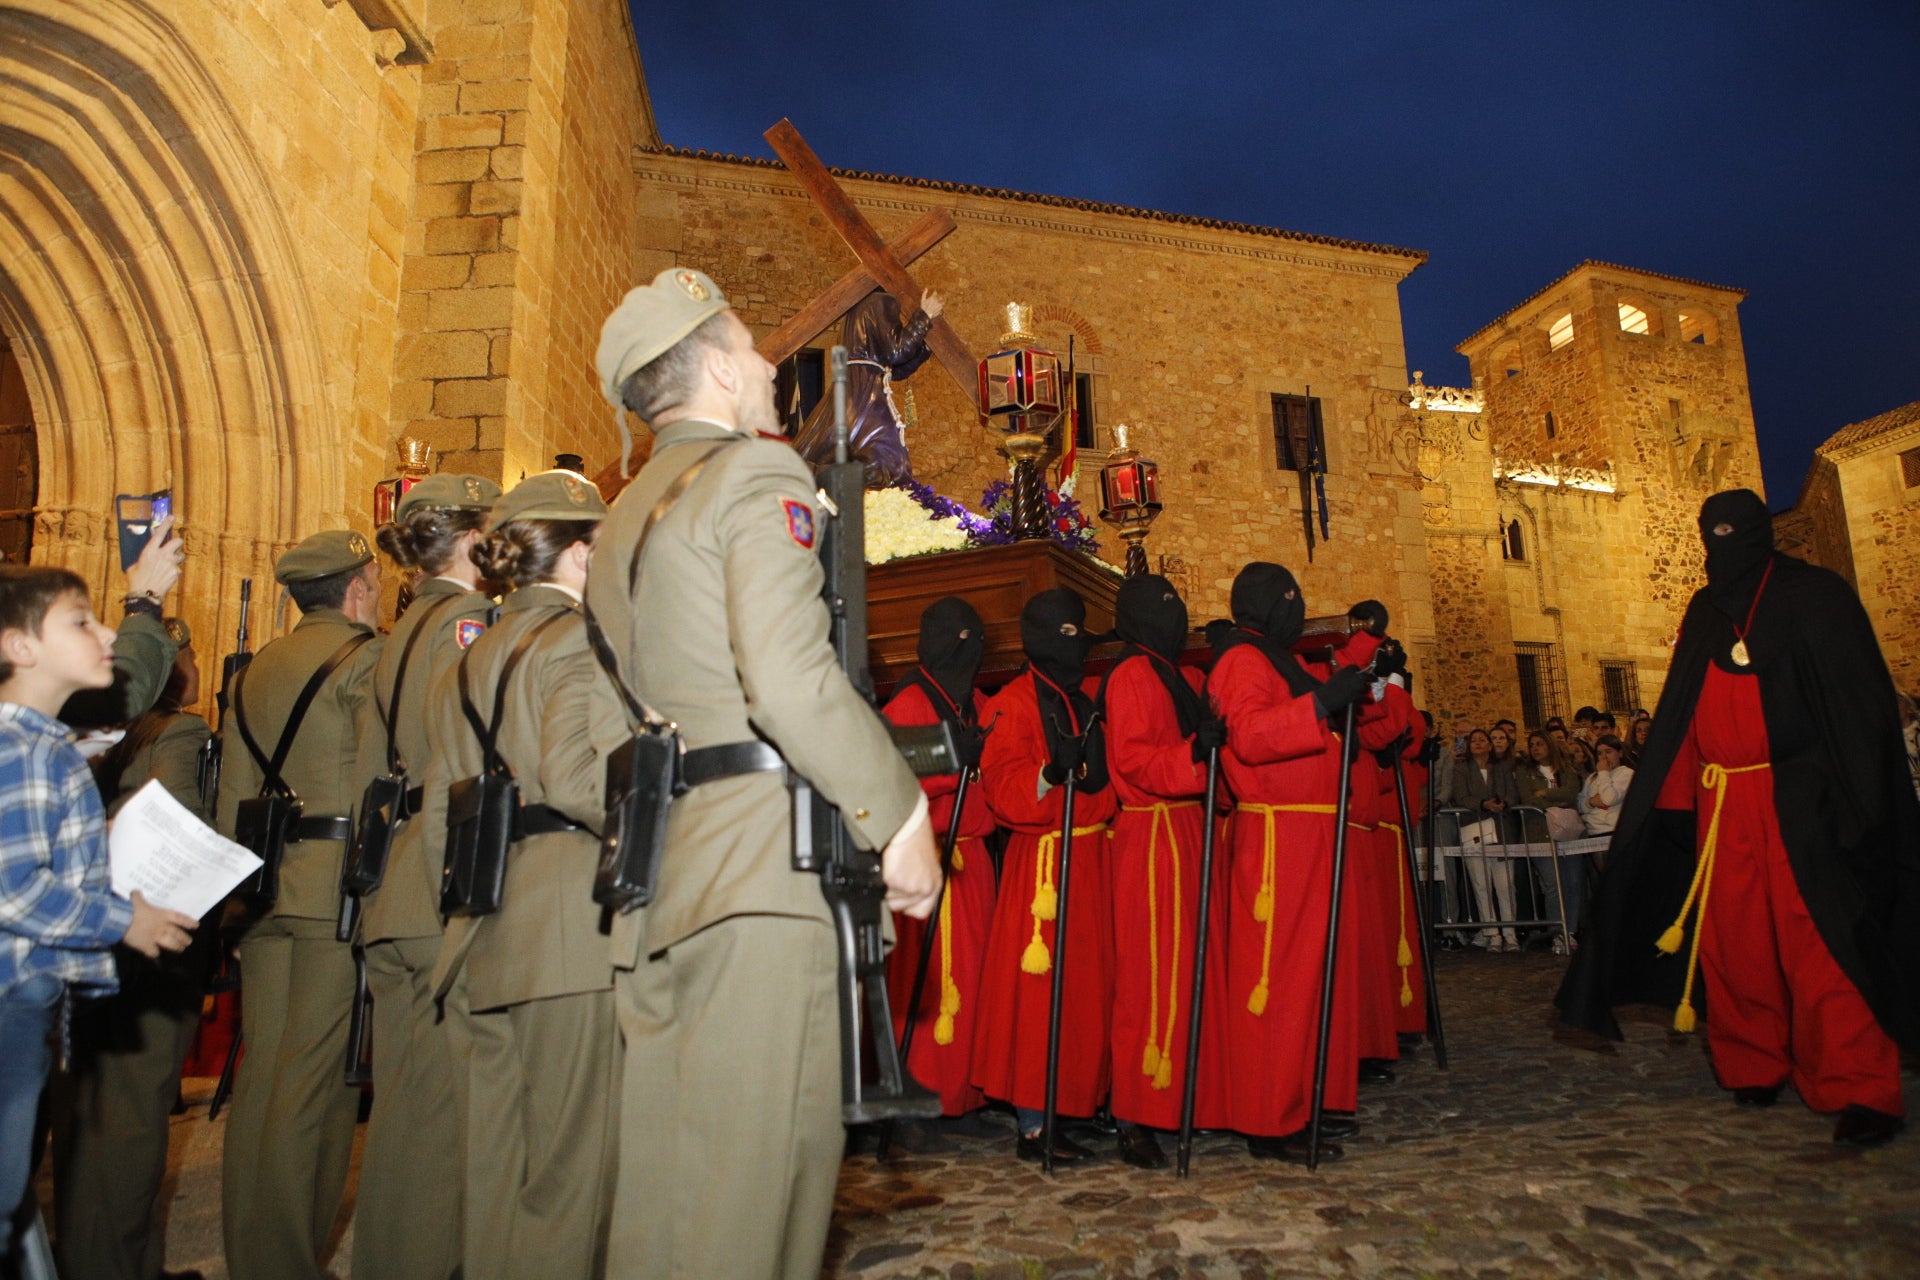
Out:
{"x": 1150, "y": 613}
{"x": 1736, "y": 560}
{"x": 953, "y": 641}
{"x": 1266, "y": 598}
{"x": 1061, "y": 658}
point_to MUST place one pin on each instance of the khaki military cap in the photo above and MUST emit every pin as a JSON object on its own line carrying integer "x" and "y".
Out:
{"x": 323, "y": 554}
{"x": 178, "y": 631}
{"x": 649, "y": 320}
{"x": 448, "y": 491}
{"x": 550, "y": 495}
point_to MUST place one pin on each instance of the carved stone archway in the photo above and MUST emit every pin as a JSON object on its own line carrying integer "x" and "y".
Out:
{"x": 153, "y": 299}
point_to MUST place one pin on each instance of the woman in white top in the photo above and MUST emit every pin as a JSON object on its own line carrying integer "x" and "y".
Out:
{"x": 1606, "y": 788}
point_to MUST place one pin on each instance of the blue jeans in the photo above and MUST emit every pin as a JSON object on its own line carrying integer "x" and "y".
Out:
{"x": 26, "y": 1024}
{"x": 1573, "y": 875}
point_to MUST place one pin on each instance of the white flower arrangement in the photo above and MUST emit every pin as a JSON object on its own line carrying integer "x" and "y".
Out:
{"x": 897, "y": 527}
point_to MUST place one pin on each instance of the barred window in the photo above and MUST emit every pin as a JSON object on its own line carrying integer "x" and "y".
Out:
{"x": 1296, "y": 431}
{"x": 1543, "y": 685}
{"x": 1620, "y": 686}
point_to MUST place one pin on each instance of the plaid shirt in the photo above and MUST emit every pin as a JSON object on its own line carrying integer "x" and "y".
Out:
{"x": 58, "y": 914}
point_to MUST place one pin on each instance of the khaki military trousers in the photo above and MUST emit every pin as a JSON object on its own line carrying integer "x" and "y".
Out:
{"x": 730, "y": 1134}
{"x": 545, "y": 1097}
{"x": 112, "y": 1159}
{"x": 290, "y": 1132}
{"x": 407, "y": 1222}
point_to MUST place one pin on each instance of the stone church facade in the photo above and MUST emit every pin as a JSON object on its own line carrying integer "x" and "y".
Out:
{"x": 250, "y": 245}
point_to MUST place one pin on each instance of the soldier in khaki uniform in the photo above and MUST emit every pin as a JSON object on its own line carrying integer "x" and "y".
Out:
{"x": 128, "y": 1048}
{"x": 544, "y": 1077}
{"x": 290, "y": 1132}
{"x": 407, "y": 1218}
{"x": 730, "y": 1137}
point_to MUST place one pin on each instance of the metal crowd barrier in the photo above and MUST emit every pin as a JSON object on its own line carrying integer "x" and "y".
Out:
{"x": 1505, "y": 852}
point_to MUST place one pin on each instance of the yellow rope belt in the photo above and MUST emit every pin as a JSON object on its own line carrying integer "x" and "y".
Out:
{"x": 1263, "y": 900}
{"x": 1714, "y": 777}
{"x": 1046, "y": 897}
{"x": 949, "y": 989}
{"x": 1156, "y": 1060}
{"x": 1404, "y": 957}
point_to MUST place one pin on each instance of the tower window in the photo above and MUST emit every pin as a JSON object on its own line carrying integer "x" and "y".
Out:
{"x": 1560, "y": 332}
{"x": 1513, "y": 541}
{"x": 1910, "y": 468}
{"x": 1699, "y": 327}
{"x": 1298, "y": 441}
{"x": 1552, "y": 431}
{"x": 1633, "y": 319}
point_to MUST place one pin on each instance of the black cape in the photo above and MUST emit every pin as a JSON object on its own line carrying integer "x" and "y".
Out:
{"x": 1842, "y": 791}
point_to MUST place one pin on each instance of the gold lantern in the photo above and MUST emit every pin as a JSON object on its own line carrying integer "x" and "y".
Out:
{"x": 1130, "y": 498}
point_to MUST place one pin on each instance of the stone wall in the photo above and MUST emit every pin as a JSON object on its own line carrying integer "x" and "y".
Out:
{"x": 1188, "y": 329}
{"x": 1881, "y": 511}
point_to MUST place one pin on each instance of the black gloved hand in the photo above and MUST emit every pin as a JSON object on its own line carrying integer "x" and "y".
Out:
{"x": 1342, "y": 689}
{"x": 968, "y": 744}
{"x": 1209, "y": 737}
{"x": 1068, "y": 756}
{"x": 1430, "y": 753}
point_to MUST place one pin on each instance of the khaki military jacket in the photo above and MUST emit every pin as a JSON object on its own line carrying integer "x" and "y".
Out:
{"x": 143, "y": 656}
{"x": 322, "y": 768}
{"x": 560, "y": 721}
{"x": 726, "y": 635}
{"x": 173, "y": 757}
{"x": 407, "y": 903}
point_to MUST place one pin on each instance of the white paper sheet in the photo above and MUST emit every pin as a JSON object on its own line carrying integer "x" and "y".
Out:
{"x": 157, "y": 845}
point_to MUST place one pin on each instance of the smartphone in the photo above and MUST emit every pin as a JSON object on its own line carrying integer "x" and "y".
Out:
{"x": 135, "y": 514}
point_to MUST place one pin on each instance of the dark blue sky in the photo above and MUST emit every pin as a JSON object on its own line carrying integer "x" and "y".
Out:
{"x": 1767, "y": 145}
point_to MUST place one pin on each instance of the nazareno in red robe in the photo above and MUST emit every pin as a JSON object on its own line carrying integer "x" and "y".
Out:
{"x": 1283, "y": 765}
{"x": 942, "y": 1054}
{"x": 1016, "y": 981}
{"x": 1155, "y": 862}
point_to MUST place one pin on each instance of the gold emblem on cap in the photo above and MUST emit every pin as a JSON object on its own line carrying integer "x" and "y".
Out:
{"x": 689, "y": 281}
{"x": 576, "y": 492}
{"x": 358, "y": 545}
{"x": 473, "y": 489}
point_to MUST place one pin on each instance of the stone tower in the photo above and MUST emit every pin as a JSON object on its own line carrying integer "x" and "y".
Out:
{"x": 1612, "y": 402}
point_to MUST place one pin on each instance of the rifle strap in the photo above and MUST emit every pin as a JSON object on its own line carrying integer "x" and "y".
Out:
{"x": 389, "y": 716}
{"x": 596, "y": 636}
{"x": 489, "y": 733}
{"x": 270, "y": 779}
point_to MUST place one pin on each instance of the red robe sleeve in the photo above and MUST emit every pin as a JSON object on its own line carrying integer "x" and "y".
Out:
{"x": 1015, "y": 753}
{"x": 1266, "y": 723}
{"x": 1145, "y": 748}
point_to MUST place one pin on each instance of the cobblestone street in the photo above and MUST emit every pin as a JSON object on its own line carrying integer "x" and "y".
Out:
{"x": 1529, "y": 1158}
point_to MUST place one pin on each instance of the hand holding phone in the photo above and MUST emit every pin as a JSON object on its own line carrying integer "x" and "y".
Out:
{"x": 156, "y": 570}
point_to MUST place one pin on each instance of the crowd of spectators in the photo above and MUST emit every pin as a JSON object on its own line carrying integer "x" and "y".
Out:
{"x": 1556, "y": 785}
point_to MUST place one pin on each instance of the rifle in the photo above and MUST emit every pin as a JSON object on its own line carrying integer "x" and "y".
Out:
{"x": 850, "y": 876}
{"x": 230, "y": 666}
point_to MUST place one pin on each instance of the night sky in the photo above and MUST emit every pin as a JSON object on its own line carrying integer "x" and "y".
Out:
{"x": 1773, "y": 147}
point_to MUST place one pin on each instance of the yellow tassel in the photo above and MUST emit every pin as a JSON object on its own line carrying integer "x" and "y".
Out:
{"x": 959, "y": 859}
{"x": 950, "y": 1000}
{"x": 943, "y": 1029}
{"x": 1683, "y": 1019}
{"x": 1406, "y": 991}
{"x": 1163, "y": 1077}
{"x": 1257, "y": 1002}
{"x": 1670, "y": 940}
{"x": 1046, "y": 902}
{"x": 1405, "y": 959}
{"x": 1150, "y": 1059}
{"x": 1263, "y": 905}
{"x": 1036, "y": 960}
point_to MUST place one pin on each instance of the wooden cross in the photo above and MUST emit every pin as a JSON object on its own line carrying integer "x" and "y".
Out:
{"x": 881, "y": 264}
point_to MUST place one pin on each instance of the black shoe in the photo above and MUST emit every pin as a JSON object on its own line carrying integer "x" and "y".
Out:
{"x": 188, "y": 1274}
{"x": 1409, "y": 1040}
{"x": 921, "y": 1138}
{"x": 1860, "y": 1126}
{"x": 1065, "y": 1149}
{"x": 1139, "y": 1148}
{"x": 1375, "y": 1071}
{"x": 1291, "y": 1149}
{"x": 1336, "y": 1129}
{"x": 1756, "y": 1095}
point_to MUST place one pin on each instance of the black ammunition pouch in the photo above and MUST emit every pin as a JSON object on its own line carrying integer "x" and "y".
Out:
{"x": 265, "y": 825}
{"x": 481, "y": 813}
{"x": 641, "y": 776}
{"x": 268, "y": 822}
{"x": 383, "y": 808}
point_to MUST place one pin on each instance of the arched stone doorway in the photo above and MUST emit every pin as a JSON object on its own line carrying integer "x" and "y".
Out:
{"x": 150, "y": 295}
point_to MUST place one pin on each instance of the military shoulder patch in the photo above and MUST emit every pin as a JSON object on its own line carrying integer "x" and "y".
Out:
{"x": 466, "y": 631}
{"x": 799, "y": 521}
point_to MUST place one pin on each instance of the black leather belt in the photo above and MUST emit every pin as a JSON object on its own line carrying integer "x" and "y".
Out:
{"x": 416, "y": 796}
{"x": 540, "y": 820}
{"x": 728, "y": 760}
{"x": 321, "y": 829}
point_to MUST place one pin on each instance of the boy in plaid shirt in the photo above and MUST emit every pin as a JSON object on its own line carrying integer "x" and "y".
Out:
{"x": 59, "y": 918}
